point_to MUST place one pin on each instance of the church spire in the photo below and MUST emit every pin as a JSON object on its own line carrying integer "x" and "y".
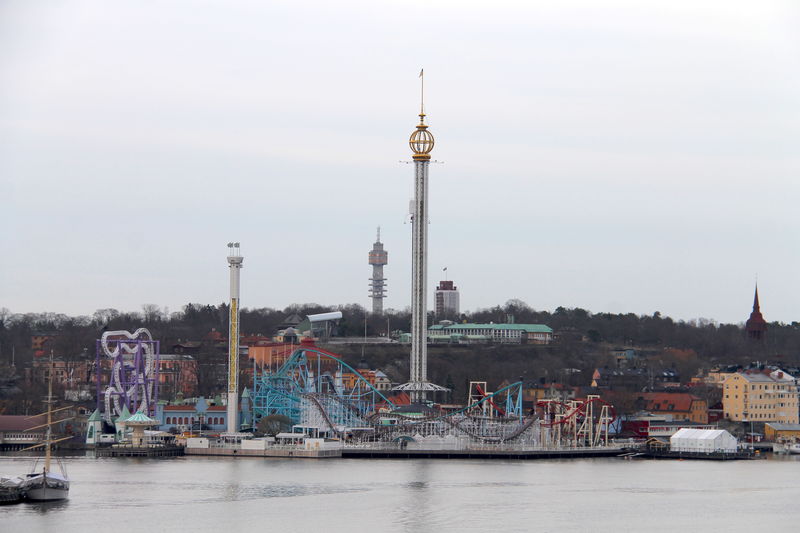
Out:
{"x": 756, "y": 306}
{"x": 756, "y": 326}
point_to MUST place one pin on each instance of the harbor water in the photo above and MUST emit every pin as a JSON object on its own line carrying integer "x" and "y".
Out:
{"x": 225, "y": 494}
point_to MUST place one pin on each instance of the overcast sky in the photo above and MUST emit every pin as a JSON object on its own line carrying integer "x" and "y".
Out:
{"x": 616, "y": 156}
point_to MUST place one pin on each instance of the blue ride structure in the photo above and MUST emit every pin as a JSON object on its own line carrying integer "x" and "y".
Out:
{"x": 319, "y": 392}
{"x": 316, "y": 387}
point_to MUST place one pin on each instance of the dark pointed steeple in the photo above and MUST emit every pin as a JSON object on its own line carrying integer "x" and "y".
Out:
{"x": 756, "y": 326}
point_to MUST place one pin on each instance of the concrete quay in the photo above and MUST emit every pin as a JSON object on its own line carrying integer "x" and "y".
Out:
{"x": 478, "y": 453}
{"x": 390, "y": 451}
{"x": 272, "y": 451}
{"x": 139, "y": 451}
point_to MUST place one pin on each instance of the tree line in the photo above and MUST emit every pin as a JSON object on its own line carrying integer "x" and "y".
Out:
{"x": 74, "y": 336}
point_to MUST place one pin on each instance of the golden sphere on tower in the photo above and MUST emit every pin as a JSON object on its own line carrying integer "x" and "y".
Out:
{"x": 421, "y": 140}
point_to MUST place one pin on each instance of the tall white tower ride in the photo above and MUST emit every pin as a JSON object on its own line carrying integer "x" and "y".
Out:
{"x": 421, "y": 143}
{"x": 235, "y": 263}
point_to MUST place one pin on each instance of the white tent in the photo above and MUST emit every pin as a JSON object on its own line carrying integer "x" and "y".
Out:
{"x": 702, "y": 441}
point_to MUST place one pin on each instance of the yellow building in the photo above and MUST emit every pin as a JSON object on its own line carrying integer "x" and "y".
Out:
{"x": 759, "y": 397}
{"x": 782, "y": 432}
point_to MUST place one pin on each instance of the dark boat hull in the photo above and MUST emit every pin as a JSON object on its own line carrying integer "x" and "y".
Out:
{"x": 46, "y": 488}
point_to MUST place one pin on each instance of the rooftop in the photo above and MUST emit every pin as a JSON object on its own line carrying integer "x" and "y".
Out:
{"x": 783, "y": 427}
{"x": 530, "y": 328}
{"x": 20, "y": 422}
{"x": 757, "y": 377}
{"x": 669, "y": 401}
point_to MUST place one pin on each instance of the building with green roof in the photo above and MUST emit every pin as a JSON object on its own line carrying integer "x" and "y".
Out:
{"x": 500, "y": 333}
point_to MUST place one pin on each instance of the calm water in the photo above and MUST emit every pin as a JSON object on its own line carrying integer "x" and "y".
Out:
{"x": 249, "y": 494}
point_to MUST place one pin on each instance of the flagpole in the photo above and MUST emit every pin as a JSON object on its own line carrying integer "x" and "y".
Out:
{"x": 422, "y": 91}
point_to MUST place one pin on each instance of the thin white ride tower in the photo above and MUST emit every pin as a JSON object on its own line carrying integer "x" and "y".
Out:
{"x": 235, "y": 263}
{"x": 421, "y": 143}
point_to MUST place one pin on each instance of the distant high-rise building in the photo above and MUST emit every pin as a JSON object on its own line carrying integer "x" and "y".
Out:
{"x": 378, "y": 257}
{"x": 756, "y": 326}
{"x": 446, "y": 297}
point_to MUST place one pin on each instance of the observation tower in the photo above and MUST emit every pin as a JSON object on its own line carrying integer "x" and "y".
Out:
{"x": 421, "y": 143}
{"x": 235, "y": 263}
{"x": 378, "y": 257}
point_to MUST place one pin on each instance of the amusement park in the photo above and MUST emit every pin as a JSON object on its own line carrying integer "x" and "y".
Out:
{"x": 325, "y": 400}
{"x": 330, "y": 404}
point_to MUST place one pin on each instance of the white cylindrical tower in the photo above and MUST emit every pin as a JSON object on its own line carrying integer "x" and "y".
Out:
{"x": 419, "y": 269}
{"x": 421, "y": 143}
{"x": 235, "y": 263}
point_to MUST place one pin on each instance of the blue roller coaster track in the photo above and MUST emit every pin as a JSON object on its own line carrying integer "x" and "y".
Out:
{"x": 311, "y": 371}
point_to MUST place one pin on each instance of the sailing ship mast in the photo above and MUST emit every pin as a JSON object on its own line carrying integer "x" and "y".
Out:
{"x": 49, "y": 414}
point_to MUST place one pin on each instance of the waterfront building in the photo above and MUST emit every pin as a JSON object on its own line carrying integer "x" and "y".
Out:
{"x": 200, "y": 414}
{"x": 775, "y": 431}
{"x": 760, "y": 397}
{"x": 756, "y": 326}
{"x": 648, "y": 425}
{"x": 500, "y": 333}
{"x": 20, "y": 431}
{"x": 446, "y": 300}
{"x": 703, "y": 441}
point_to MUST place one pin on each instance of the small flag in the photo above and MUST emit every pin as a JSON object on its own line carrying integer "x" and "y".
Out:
{"x": 420, "y": 72}
{"x": 444, "y": 269}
